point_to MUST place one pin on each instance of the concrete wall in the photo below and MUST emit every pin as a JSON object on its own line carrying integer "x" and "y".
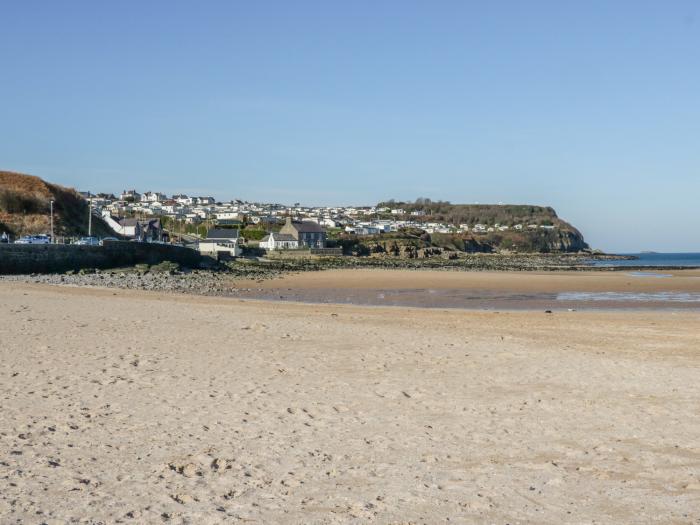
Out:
{"x": 52, "y": 258}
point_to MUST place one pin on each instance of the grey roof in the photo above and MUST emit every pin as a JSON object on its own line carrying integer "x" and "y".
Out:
{"x": 307, "y": 227}
{"x": 222, "y": 233}
{"x": 283, "y": 237}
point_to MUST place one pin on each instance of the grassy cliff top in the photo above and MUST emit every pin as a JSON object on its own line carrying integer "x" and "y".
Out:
{"x": 489, "y": 214}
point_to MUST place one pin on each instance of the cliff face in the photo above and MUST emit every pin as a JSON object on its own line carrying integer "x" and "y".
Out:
{"x": 25, "y": 208}
{"x": 567, "y": 241}
{"x": 538, "y": 241}
{"x": 410, "y": 246}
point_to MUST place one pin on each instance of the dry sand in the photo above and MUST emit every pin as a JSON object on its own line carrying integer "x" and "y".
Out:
{"x": 144, "y": 408}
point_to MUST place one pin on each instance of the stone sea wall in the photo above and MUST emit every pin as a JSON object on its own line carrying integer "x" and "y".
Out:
{"x": 53, "y": 258}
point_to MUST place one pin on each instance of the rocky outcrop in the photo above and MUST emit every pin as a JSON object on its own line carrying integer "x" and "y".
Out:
{"x": 567, "y": 242}
{"x": 474, "y": 246}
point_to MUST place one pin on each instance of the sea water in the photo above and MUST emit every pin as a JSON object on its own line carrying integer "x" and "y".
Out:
{"x": 660, "y": 260}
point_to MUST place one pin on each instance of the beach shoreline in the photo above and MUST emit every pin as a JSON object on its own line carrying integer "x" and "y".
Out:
{"x": 428, "y": 288}
{"x": 673, "y": 289}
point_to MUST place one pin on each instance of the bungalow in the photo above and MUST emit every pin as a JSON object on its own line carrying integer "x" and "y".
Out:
{"x": 229, "y": 215}
{"x": 367, "y": 230}
{"x": 220, "y": 241}
{"x": 279, "y": 241}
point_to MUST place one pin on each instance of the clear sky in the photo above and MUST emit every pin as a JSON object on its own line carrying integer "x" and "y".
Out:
{"x": 590, "y": 107}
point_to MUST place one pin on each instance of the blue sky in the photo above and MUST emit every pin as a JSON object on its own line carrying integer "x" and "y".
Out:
{"x": 590, "y": 107}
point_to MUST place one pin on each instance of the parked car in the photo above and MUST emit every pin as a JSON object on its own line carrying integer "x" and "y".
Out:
{"x": 34, "y": 239}
{"x": 88, "y": 241}
{"x": 108, "y": 239}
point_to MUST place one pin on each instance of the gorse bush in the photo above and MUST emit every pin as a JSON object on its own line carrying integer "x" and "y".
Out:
{"x": 13, "y": 202}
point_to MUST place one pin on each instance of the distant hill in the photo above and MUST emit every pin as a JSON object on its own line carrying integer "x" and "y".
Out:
{"x": 24, "y": 208}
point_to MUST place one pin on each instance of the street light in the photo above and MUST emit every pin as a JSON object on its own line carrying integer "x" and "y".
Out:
{"x": 52, "y": 237}
{"x": 89, "y": 215}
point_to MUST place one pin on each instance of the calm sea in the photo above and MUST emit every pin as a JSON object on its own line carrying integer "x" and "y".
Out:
{"x": 686, "y": 260}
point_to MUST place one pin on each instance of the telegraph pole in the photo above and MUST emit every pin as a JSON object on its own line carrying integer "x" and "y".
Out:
{"x": 52, "y": 237}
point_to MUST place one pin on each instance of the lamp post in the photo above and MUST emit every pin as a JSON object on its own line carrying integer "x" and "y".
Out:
{"x": 89, "y": 215}
{"x": 52, "y": 237}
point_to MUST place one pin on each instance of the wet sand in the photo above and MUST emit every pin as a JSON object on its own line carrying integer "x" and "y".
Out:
{"x": 138, "y": 407}
{"x": 651, "y": 290}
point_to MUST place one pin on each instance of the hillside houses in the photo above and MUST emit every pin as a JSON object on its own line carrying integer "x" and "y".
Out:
{"x": 354, "y": 220}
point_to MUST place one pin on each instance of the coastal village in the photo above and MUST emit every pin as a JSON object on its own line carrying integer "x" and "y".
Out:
{"x": 34, "y": 212}
{"x": 219, "y": 227}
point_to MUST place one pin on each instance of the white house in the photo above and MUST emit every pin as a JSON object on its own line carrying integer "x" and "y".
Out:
{"x": 220, "y": 241}
{"x": 279, "y": 241}
{"x": 130, "y": 195}
{"x": 328, "y": 222}
{"x": 183, "y": 199}
{"x": 153, "y": 197}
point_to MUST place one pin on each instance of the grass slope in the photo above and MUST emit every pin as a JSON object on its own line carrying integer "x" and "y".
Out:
{"x": 25, "y": 208}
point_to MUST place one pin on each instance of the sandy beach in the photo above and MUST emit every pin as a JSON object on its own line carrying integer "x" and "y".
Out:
{"x": 136, "y": 407}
